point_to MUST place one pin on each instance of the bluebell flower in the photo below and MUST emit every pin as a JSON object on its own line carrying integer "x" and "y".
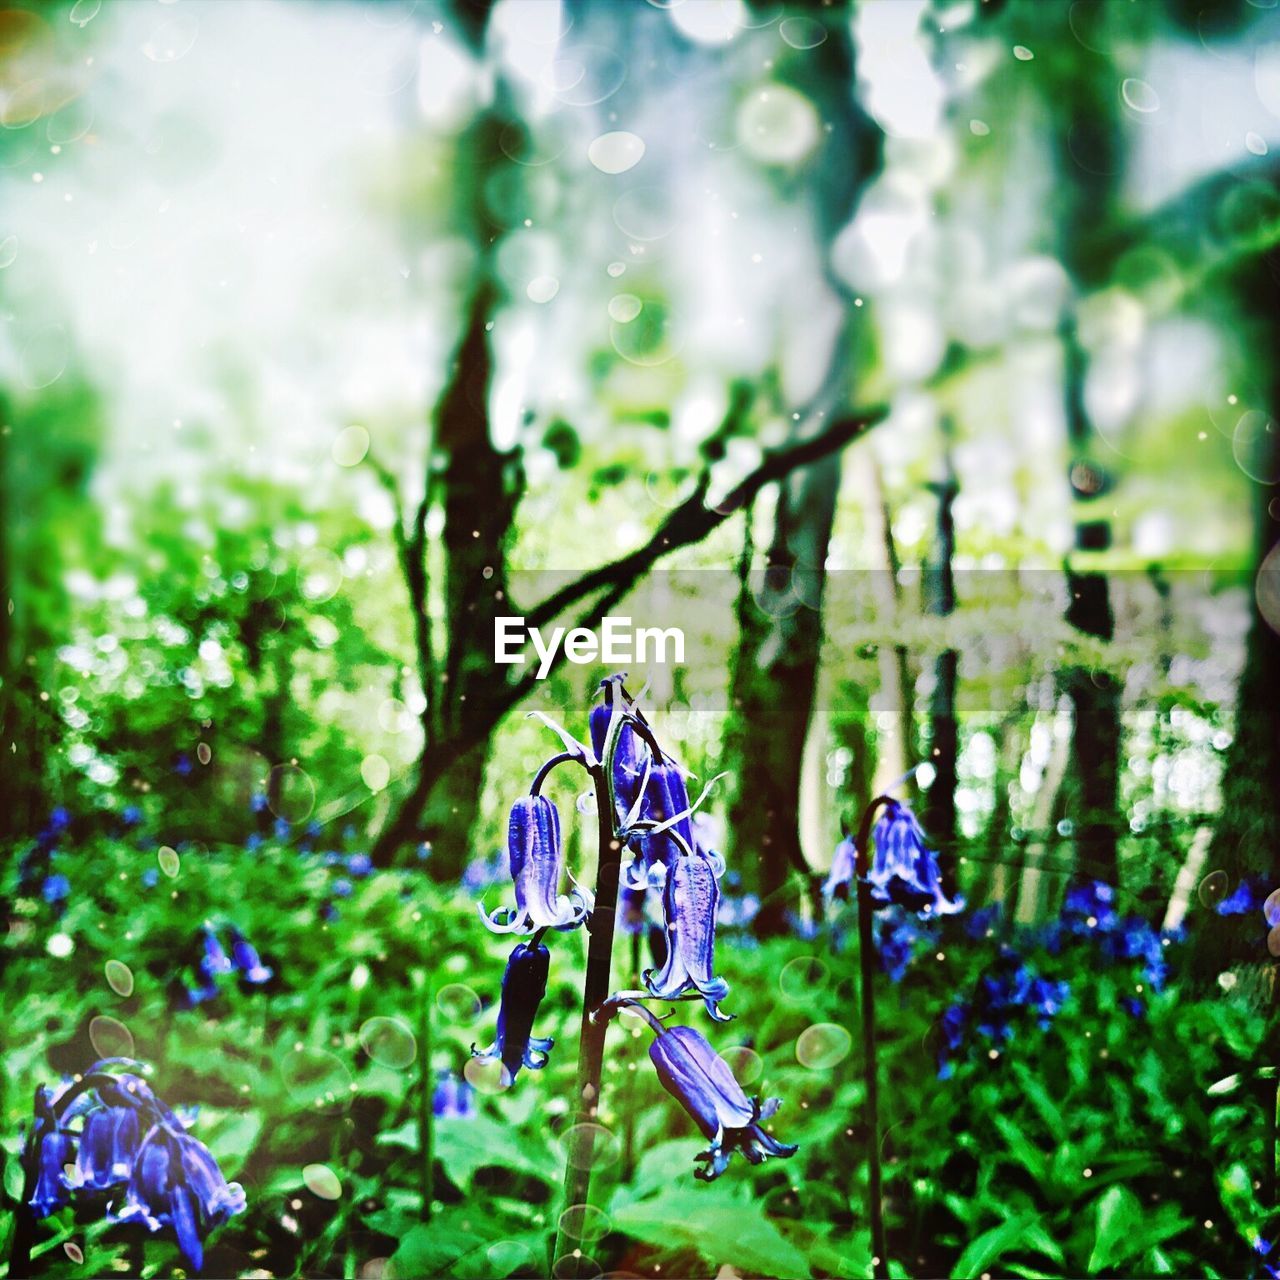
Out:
{"x": 281, "y": 827}
{"x": 1134, "y": 939}
{"x": 898, "y": 934}
{"x": 131, "y": 815}
{"x": 1047, "y": 998}
{"x": 523, "y": 985}
{"x": 247, "y": 961}
{"x": 57, "y": 888}
{"x": 424, "y": 851}
{"x": 342, "y": 887}
{"x": 738, "y": 911}
{"x": 215, "y": 960}
{"x": 453, "y": 1096}
{"x": 483, "y": 872}
{"x": 844, "y": 864}
{"x": 1134, "y": 1006}
{"x": 258, "y": 802}
{"x": 253, "y": 842}
{"x": 1089, "y": 908}
{"x": 629, "y": 756}
{"x": 108, "y": 1145}
{"x": 1245, "y": 899}
{"x": 360, "y": 864}
{"x": 537, "y": 862}
{"x": 701, "y": 1081}
{"x": 169, "y": 1179}
{"x": 1263, "y": 1249}
{"x": 193, "y": 997}
{"x": 55, "y": 1148}
{"x": 183, "y": 766}
{"x": 689, "y": 903}
{"x": 59, "y": 819}
{"x": 985, "y": 921}
{"x": 150, "y": 878}
{"x": 666, "y": 796}
{"x": 176, "y": 1183}
{"x": 905, "y": 869}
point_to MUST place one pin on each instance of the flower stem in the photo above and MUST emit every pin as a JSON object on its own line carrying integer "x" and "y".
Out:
{"x": 24, "y": 1217}
{"x": 595, "y": 990}
{"x": 870, "y": 1068}
{"x": 426, "y": 1093}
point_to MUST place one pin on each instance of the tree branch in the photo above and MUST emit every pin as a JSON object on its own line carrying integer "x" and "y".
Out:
{"x": 689, "y": 523}
{"x": 693, "y": 519}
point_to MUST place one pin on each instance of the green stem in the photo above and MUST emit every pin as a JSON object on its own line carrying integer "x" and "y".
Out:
{"x": 595, "y": 990}
{"x": 870, "y": 1068}
{"x": 426, "y": 1093}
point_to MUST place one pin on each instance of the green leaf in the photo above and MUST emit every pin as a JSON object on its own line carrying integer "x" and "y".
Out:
{"x": 468, "y": 1244}
{"x": 466, "y": 1145}
{"x": 722, "y": 1226}
{"x": 1118, "y": 1213}
{"x": 230, "y": 1135}
{"x": 982, "y": 1252}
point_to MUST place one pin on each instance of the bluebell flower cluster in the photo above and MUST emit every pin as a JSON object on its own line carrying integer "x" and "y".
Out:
{"x": 1008, "y": 994}
{"x": 214, "y": 963}
{"x": 650, "y": 817}
{"x": 107, "y": 1141}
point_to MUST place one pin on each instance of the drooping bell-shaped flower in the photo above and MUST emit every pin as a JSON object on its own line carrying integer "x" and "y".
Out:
{"x": 905, "y": 869}
{"x": 533, "y": 844}
{"x": 177, "y": 1184}
{"x": 523, "y": 985}
{"x": 247, "y": 961}
{"x": 700, "y": 1080}
{"x": 844, "y": 863}
{"x": 108, "y": 1145}
{"x": 215, "y": 960}
{"x": 54, "y": 1149}
{"x": 690, "y": 904}
{"x": 666, "y": 796}
{"x": 628, "y": 757}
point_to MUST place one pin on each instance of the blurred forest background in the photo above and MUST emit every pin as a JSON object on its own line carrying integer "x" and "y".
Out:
{"x": 332, "y": 331}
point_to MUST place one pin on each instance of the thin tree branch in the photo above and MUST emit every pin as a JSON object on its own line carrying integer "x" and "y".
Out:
{"x": 693, "y": 519}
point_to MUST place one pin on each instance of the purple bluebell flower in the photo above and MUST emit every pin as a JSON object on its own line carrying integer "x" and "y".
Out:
{"x": 690, "y": 902}
{"x": 57, "y": 888}
{"x": 183, "y": 766}
{"x": 342, "y": 887}
{"x": 844, "y": 865}
{"x": 1243, "y": 900}
{"x": 54, "y": 1148}
{"x": 523, "y": 985}
{"x": 215, "y": 960}
{"x": 108, "y": 1145}
{"x": 168, "y": 1178}
{"x": 360, "y": 864}
{"x": 985, "y": 921}
{"x": 1089, "y": 908}
{"x": 59, "y": 819}
{"x": 666, "y": 796}
{"x": 537, "y": 861}
{"x": 247, "y": 961}
{"x": 453, "y": 1096}
{"x": 700, "y": 1080}
{"x": 905, "y": 869}
{"x": 628, "y": 758}
{"x": 131, "y": 815}
{"x": 176, "y": 1184}
{"x": 193, "y": 997}
{"x": 898, "y": 934}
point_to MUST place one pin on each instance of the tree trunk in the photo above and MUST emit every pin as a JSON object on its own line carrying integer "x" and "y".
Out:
{"x": 1247, "y": 834}
{"x": 940, "y": 601}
